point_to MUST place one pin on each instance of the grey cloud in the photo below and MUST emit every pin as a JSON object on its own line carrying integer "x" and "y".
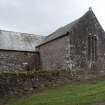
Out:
{"x": 40, "y": 16}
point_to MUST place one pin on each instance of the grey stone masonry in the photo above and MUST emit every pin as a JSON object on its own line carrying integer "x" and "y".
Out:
{"x": 14, "y": 60}
{"x": 76, "y": 46}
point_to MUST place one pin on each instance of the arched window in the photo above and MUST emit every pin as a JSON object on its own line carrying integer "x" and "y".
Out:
{"x": 92, "y": 48}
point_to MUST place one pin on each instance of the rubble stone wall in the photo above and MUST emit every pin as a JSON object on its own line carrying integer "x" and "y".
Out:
{"x": 15, "y": 60}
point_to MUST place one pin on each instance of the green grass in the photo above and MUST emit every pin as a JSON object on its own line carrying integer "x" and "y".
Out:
{"x": 75, "y": 94}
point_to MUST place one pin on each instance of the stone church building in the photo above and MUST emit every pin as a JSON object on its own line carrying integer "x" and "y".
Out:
{"x": 79, "y": 45}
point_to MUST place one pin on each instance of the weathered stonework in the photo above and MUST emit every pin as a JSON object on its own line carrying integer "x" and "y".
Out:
{"x": 26, "y": 82}
{"x": 77, "y": 46}
{"x": 53, "y": 55}
{"x": 15, "y": 60}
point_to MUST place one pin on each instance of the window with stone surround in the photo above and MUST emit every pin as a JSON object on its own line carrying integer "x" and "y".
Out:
{"x": 92, "y": 48}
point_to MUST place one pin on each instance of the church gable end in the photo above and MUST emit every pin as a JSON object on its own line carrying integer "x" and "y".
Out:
{"x": 82, "y": 47}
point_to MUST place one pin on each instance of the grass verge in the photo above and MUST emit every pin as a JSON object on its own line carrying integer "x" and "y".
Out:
{"x": 76, "y": 94}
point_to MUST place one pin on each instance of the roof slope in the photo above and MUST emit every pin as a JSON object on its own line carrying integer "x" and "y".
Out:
{"x": 59, "y": 32}
{"x": 63, "y": 30}
{"x": 19, "y": 41}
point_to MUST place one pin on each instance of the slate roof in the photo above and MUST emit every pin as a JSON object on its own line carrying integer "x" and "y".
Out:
{"x": 17, "y": 41}
{"x": 59, "y": 32}
{"x": 63, "y": 30}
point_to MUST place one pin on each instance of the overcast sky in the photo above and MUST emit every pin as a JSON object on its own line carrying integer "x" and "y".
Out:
{"x": 45, "y": 16}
